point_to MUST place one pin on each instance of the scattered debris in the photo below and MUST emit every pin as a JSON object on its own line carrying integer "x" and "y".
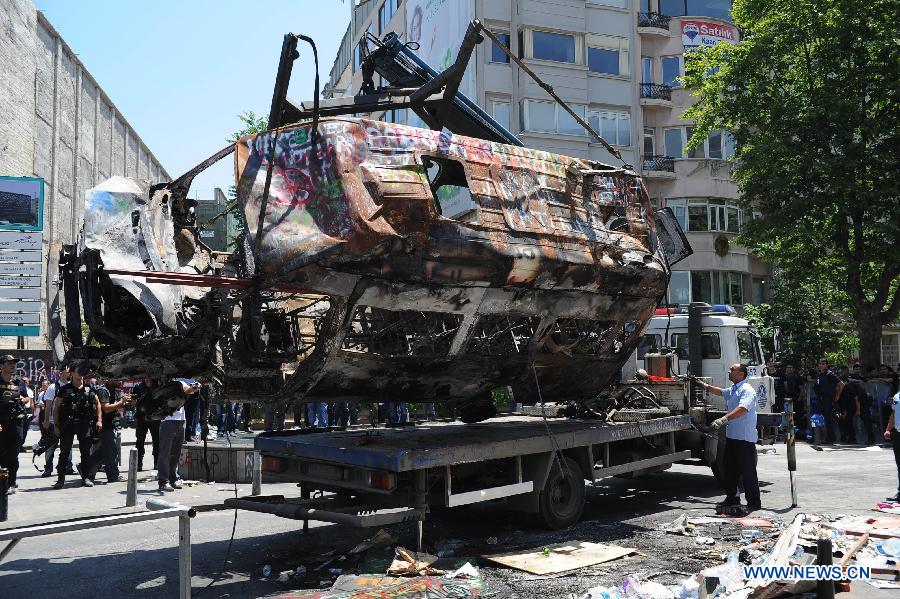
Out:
{"x": 466, "y": 571}
{"x": 382, "y": 538}
{"x": 492, "y": 541}
{"x": 700, "y": 520}
{"x": 754, "y": 522}
{"x": 267, "y": 570}
{"x": 889, "y": 507}
{"x": 561, "y": 557}
{"x": 704, "y": 541}
{"x": 680, "y": 526}
{"x": 410, "y": 563}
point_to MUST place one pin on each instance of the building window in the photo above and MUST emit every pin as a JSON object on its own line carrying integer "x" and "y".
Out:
{"x": 500, "y": 112}
{"x": 680, "y": 287}
{"x": 549, "y": 117}
{"x": 673, "y": 8}
{"x": 698, "y": 216}
{"x": 698, "y": 152}
{"x": 498, "y": 55}
{"x": 679, "y": 208}
{"x": 673, "y": 143}
{"x": 559, "y": 47}
{"x": 671, "y": 70}
{"x": 727, "y": 145}
{"x": 645, "y": 5}
{"x": 759, "y": 290}
{"x": 649, "y": 142}
{"x": 890, "y": 349}
{"x": 608, "y": 55}
{"x": 717, "y": 287}
{"x": 718, "y": 9}
{"x": 386, "y": 13}
{"x": 614, "y": 127}
{"x": 646, "y": 69}
{"x": 714, "y": 145}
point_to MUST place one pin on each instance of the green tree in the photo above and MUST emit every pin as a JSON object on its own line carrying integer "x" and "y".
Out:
{"x": 810, "y": 318}
{"x": 811, "y": 95}
{"x": 251, "y": 125}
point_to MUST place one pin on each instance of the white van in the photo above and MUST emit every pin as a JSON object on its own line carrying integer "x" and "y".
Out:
{"x": 726, "y": 340}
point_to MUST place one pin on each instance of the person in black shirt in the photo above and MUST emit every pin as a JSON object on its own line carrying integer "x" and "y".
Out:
{"x": 110, "y": 403}
{"x": 143, "y": 424}
{"x": 77, "y": 408}
{"x": 12, "y": 414}
{"x": 828, "y": 389}
{"x": 793, "y": 390}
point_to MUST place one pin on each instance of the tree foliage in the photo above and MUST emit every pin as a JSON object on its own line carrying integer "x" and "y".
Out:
{"x": 809, "y": 317}
{"x": 251, "y": 125}
{"x": 811, "y": 95}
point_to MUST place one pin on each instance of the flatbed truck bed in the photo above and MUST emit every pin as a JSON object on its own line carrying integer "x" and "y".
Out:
{"x": 378, "y": 476}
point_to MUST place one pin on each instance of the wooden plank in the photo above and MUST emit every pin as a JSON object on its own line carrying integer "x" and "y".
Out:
{"x": 20, "y": 293}
{"x": 18, "y": 306}
{"x": 19, "y": 281}
{"x": 20, "y": 240}
{"x": 561, "y": 557}
{"x": 24, "y": 318}
{"x": 15, "y": 268}
{"x": 18, "y": 255}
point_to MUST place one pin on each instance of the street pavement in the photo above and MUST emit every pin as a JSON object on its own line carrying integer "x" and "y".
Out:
{"x": 141, "y": 560}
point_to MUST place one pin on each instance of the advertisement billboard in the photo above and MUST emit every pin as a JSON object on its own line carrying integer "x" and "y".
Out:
{"x": 700, "y": 34}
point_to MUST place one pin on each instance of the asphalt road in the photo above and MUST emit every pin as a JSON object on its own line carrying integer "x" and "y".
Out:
{"x": 141, "y": 560}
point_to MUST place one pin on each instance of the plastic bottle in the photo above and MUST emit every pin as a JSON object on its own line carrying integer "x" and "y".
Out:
{"x": 890, "y": 547}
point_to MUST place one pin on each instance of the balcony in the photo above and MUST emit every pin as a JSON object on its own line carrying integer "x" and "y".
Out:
{"x": 656, "y": 91}
{"x": 653, "y": 23}
{"x": 656, "y": 95}
{"x": 658, "y": 167}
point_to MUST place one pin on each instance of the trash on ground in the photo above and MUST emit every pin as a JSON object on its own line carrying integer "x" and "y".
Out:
{"x": 410, "y": 563}
{"x": 679, "y": 526}
{"x": 379, "y": 585}
{"x": 754, "y": 522}
{"x": 704, "y": 541}
{"x": 466, "y": 571}
{"x": 491, "y": 540}
{"x": 700, "y": 520}
{"x": 382, "y": 538}
{"x": 448, "y": 547}
{"x": 267, "y": 569}
{"x": 560, "y": 557}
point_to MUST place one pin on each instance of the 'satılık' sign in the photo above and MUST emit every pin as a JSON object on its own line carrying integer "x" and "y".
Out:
{"x": 696, "y": 34}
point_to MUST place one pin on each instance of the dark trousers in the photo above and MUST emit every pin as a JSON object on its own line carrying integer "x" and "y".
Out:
{"x": 10, "y": 443}
{"x": 192, "y": 415}
{"x": 895, "y": 440}
{"x": 141, "y": 428}
{"x": 107, "y": 454}
{"x": 72, "y": 429}
{"x": 740, "y": 462}
{"x": 171, "y": 439}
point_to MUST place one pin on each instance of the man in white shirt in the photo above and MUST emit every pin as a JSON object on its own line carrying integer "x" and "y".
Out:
{"x": 891, "y": 434}
{"x": 171, "y": 439}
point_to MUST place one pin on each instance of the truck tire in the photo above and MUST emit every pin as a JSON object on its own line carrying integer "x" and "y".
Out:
{"x": 562, "y": 498}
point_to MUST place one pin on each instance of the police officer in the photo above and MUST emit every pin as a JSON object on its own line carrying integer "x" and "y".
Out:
{"x": 77, "y": 408}
{"x": 11, "y": 416}
{"x": 740, "y": 438}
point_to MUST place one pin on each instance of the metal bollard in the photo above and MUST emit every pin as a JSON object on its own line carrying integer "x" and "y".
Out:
{"x": 824, "y": 588}
{"x": 257, "y": 474}
{"x": 131, "y": 494}
{"x": 4, "y": 498}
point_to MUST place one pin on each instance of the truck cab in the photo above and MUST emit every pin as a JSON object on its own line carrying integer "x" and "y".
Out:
{"x": 725, "y": 340}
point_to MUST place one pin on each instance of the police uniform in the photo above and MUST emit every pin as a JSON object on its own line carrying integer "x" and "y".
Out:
{"x": 10, "y": 436}
{"x": 77, "y": 410}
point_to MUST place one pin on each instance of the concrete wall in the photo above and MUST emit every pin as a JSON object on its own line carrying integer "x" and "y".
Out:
{"x": 57, "y": 123}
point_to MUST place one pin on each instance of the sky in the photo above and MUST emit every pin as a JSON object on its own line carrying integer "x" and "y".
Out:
{"x": 181, "y": 71}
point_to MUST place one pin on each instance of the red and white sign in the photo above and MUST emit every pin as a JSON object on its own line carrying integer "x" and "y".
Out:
{"x": 699, "y": 34}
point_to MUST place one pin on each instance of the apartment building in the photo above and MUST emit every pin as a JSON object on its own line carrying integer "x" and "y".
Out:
{"x": 617, "y": 63}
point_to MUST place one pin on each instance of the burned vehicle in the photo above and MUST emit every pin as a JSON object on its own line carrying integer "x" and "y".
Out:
{"x": 352, "y": 284}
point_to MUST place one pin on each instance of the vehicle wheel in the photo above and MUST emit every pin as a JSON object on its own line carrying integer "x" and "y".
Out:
{"x": 562, "y": 498}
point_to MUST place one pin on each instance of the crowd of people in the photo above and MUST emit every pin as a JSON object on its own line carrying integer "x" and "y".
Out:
{"x": 837, "y": 405}
{"x": 73, "y": 403}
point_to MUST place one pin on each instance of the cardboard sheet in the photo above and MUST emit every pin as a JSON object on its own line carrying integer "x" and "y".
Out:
{"x": 561, "y": 557}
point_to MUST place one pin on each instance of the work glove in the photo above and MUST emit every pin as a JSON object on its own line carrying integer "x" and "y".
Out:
{"x": 719, "y": 422}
